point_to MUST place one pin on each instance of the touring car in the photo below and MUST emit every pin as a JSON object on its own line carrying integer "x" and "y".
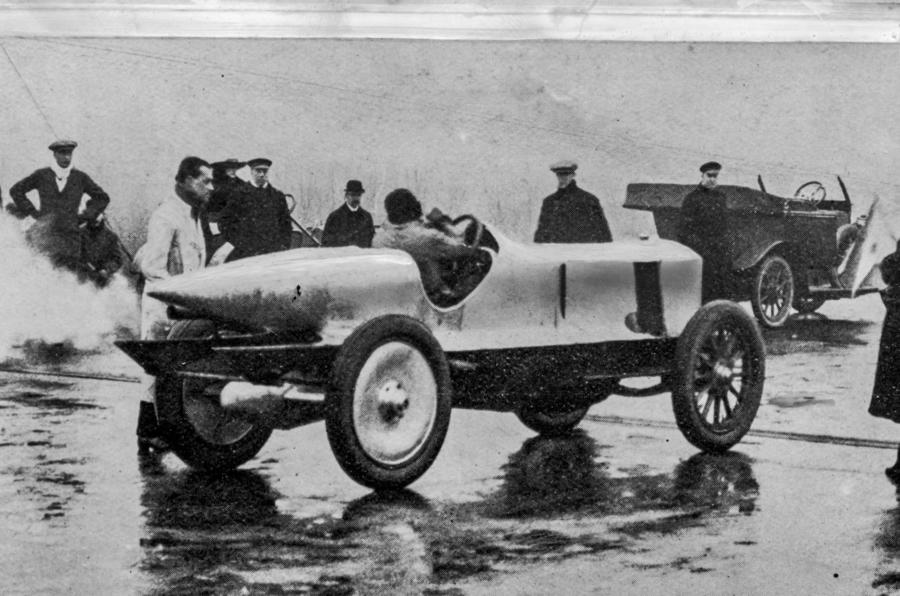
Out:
{"x": 784, "y": 252}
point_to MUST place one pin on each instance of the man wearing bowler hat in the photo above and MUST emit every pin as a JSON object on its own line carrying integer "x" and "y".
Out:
{"x": 225, "y": 181}
{"x": 701, "y": 228}
{"x": 225, "y": 184}
{"x": 349, "y": 224}
{"x": 60, "y": 189}
{"x": 256, "y": 219}
{"x": 571, "y": 214}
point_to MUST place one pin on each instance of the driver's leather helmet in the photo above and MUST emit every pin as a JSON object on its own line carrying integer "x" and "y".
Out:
{"x": 402, "y": 206}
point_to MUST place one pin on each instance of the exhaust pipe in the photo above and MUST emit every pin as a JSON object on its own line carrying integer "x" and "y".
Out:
{"x": 264, "y": 400}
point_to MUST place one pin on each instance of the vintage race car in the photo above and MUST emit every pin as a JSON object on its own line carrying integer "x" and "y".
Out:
{"x": 350, "y": 335}
{"x": 784, "y": 252}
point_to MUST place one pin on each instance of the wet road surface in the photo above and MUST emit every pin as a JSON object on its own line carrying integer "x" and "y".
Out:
{"x": 623, "y": 505}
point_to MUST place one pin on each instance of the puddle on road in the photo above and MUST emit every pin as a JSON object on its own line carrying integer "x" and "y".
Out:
{"x": 798, "y": 401}
{"x": 557, "y": 500}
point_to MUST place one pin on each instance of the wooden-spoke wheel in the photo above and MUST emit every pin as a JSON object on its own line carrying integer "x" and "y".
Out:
{"x": 720, "y": 371}
{"x": 773, "y": 291}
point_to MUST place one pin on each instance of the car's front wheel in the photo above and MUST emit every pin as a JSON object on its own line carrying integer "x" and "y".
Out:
{"x": 773, "y": 291}
{"x": 201, "y": 432}
{"x": 388, "y": 406}
{"x": 719, "y": 374}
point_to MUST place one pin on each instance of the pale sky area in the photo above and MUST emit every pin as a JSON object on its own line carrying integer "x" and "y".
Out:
{"x": 468, "y": 126}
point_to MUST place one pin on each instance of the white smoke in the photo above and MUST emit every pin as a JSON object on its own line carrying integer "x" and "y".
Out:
{"x": 39, "y": 303}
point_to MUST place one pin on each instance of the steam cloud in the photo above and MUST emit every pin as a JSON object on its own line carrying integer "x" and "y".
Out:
{"x": 40, "y": 303}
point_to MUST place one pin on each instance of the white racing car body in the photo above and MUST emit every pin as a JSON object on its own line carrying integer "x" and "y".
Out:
{"x": 351, "y": 335}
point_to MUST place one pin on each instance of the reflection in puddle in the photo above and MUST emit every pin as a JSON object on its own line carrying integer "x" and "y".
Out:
{"x": 557, "y": 500}
{"x": 887, "y": 542}
{"x": 788, "y": 401}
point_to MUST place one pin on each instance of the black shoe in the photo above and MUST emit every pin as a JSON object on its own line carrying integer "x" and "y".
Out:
{"x": 154, "y": 444}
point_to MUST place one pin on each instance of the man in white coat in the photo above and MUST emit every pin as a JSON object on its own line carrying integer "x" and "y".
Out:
{"x": 175, "y": 245}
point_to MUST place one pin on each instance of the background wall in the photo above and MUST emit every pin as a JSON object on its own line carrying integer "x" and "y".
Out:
{"x": 468, "y": 126}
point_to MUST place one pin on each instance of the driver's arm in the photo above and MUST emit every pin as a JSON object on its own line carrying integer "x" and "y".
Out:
{"x": 440, "y": 245}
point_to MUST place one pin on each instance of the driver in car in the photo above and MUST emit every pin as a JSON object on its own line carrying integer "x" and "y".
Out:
{"x": 429, "y": 243}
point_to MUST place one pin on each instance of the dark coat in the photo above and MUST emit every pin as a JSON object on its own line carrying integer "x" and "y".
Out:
{"x": 702, "y": 228}
{"x": 572, "y": 215}
{"x": 64, "y": 203}
{"x": 256, "y": 221}
{"x": 348, "y": 228}
{"x": 223, "y": 188}
{"x": 886, "y": 392}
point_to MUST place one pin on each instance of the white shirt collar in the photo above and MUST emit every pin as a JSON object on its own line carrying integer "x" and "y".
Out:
{"x": 61, "y": 173}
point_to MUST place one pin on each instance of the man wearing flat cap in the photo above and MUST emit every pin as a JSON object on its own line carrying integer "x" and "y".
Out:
{"x": 60, "y": 189}
{"x": 701, "y": 228}
{"x": 349, "y": 224}
{"x": 256, "y": 219}
{"x": 571, "y": 214}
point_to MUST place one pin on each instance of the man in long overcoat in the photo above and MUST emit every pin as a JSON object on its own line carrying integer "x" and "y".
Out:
{"x": 256, "y": 219}
{"x": 571, "y": 214}
{"x": 886, "y": 390}
{"x": 702, "y": 228}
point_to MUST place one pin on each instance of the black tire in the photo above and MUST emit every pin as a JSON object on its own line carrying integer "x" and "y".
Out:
{"x": 383, "y": 436}
{"x": 807, "y": 304}
{"x": 773, "y": 291}
{"x": 720, "y": 365}
{"x": 199, "y": 430}
{"x": 548, "y": 420}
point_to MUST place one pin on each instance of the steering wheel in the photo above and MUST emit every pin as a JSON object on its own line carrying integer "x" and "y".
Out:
{"x": 812, "y": 192}
{"x": 473, "y": 232}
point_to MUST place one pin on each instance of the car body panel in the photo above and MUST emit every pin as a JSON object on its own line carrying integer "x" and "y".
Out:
{"x": 533, "y": 295}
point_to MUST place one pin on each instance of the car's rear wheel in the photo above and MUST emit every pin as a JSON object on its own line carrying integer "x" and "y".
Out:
{"x": 201, "y": 432}
{"x": 719, "y": 375}
{"x": 388, "y": 407}
{"x": 773, "y": 291}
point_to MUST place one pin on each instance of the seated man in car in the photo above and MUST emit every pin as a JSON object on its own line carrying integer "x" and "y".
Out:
{"x": 429, "y": 244}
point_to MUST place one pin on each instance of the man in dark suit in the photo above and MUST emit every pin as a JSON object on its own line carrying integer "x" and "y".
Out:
{"x": 256, "y": 219}
{"x": 60, "y": 188}
{"x": 225, "y": 184}
{"x": 571, "y": 214}
{"x": 701, "y": 228}
{"x": 349, "y": 224}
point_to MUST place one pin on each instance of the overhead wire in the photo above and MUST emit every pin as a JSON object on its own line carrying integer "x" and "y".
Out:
{"x": 586, "y": 140}
{"x": 28, "y": 90}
